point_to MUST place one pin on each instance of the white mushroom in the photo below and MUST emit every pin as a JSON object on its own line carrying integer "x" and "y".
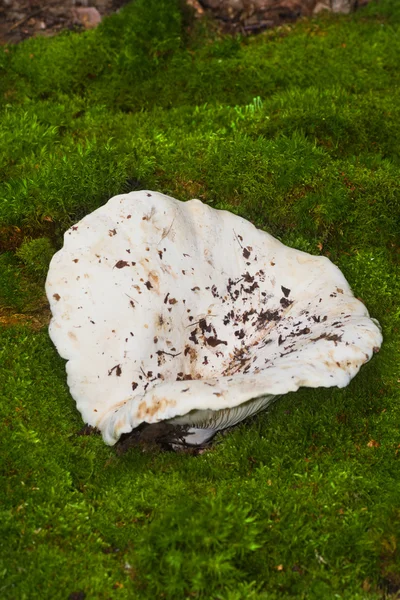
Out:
{"x": 174, "y": 311}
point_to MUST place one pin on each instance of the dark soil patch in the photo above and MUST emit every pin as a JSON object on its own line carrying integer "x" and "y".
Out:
{"x": 22, "y": 19}
{"x": 36, "y": 320}
{"x": 252, "y": 16}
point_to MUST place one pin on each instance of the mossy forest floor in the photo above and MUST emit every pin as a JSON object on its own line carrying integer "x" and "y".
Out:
{"x": 297, "y": 130}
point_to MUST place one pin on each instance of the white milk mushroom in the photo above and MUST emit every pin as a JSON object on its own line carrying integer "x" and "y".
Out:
{"x": 174, "y": 311}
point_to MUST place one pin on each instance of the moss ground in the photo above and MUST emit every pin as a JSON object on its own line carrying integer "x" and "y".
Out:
{"x": 297, "y": 130}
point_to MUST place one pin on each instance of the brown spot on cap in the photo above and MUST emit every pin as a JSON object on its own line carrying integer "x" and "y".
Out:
{"x": 121, "y": 264}
{"x": 214, "y": 341}
{"x": 330, "y": 337}
{"x": 192, "y": 336}
{"x": 153, "y": 406}
{"x": 285, "y": 302}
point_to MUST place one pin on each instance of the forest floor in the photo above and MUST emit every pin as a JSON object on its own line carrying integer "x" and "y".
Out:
{"x": 22, "y": 19}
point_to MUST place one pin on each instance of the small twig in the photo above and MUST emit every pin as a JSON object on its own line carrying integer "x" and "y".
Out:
{"x": 237, "y": 239}
{"x": 256, "y": 26}
{"x": 169, "y": 354}
{"x": 197, "y": 322}
{"x": 29, "y": 16}
{"x": 166, "y": 234}
{"x": 134, "y": 300}
{"x": 26, "y": 18}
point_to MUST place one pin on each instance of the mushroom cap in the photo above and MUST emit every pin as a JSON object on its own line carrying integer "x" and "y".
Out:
{"x": 165, "y": 308}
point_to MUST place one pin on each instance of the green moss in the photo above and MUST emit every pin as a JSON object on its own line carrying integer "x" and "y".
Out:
{"x": 298, "y": 130}
{"x": 36, "y": 255}
{"x": 19, "y": 291}
{"x": 298, "y": 488}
